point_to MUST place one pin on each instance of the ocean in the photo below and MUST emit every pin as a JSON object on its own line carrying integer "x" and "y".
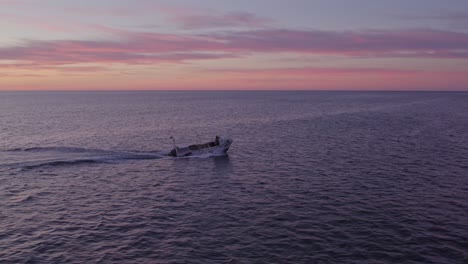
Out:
{"x": 312, "y": 177}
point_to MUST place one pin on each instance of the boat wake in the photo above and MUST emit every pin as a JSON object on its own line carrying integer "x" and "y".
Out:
{"x": 38, "y": 157}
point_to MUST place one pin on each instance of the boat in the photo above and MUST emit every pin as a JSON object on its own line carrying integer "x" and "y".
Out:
{"x": 217, "y": 147}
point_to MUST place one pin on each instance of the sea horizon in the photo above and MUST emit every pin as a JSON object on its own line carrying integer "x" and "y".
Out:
{"x": 240, "y": 90}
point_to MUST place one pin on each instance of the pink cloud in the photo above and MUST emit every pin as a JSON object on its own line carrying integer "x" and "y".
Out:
{"x": 20, "y": 75}
{"x": 151, "y": 48}
{"x": 310, "y": 71}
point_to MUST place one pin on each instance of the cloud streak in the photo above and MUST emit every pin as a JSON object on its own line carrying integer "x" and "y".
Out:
{"x": 152, "y": 48}
{"x": 202, "y": 20}
{"x": 372, "y": 43}
{"x": 455, "y": 19}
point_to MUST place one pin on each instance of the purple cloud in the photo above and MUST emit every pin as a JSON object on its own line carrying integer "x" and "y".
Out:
{"x": 454, "y": 19}
{"x": 443, "y": 16}
{"x": 353, "y": 43}
{"x": 153, "y": 48}
{"x": 200, "y": 20}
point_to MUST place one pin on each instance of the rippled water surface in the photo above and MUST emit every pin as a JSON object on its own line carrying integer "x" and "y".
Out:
{"x": 312, "y": 177}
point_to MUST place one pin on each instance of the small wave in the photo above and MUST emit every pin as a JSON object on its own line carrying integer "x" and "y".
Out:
{"x": 23, "y": 199}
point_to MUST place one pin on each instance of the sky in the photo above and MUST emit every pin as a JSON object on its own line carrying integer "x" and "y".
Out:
{"x": 234, "y": 45}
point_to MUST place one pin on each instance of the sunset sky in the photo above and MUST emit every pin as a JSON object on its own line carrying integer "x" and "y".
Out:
{"x": 235, "y": 44}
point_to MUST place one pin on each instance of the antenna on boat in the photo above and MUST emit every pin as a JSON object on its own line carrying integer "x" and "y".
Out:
{"x": 173, "y": 141}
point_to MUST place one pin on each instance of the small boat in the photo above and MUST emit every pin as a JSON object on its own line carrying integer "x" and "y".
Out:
{"x": 217, "y": 147}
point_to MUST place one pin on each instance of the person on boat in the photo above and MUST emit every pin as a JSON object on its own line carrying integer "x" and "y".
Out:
{"x": 217, "y": 141}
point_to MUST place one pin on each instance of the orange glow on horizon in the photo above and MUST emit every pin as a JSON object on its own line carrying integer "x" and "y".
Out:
{"x": 273, "y": 79}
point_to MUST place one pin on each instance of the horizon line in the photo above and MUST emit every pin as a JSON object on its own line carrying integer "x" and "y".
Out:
{"x": 231, "y": 90}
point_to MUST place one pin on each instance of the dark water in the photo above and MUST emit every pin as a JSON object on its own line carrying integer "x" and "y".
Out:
{"x": 312, "y": 177}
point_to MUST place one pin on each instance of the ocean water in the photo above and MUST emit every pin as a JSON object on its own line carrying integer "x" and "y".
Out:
{"x": 312, "y": 177}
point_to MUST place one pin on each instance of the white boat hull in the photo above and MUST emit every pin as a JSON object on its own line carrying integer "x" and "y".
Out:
{"x": 203, "y": 149}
